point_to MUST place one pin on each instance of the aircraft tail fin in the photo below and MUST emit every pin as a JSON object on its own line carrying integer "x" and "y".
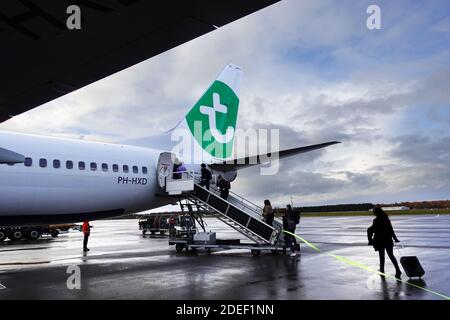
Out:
{"x": 212, "y": 120}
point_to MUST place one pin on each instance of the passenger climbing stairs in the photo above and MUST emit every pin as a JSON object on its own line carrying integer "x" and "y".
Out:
{"x": 237, "y": 212}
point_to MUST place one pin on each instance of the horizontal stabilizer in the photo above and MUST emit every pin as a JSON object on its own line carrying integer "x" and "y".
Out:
{"x": 237, "y": 164}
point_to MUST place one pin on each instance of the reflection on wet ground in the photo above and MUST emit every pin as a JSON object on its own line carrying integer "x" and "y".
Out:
{"x": 123, "y": 264}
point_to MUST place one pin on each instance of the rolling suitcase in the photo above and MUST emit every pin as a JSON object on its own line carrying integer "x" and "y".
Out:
{"x": 412, "y": 267}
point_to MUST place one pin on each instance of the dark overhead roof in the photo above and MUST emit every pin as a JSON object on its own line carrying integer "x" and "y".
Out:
{"x": 40, "y": 59}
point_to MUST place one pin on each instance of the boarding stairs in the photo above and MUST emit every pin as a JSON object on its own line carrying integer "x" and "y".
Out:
{"x": 237, "y": 212}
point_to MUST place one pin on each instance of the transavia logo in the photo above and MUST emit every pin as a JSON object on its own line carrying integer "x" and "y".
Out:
{"x": 211, "y": 113}
{"x": 212, "y": 120}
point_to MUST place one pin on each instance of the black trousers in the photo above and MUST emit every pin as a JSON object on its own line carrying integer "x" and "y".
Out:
{"x": 390, "y": 251}
{"x": 85, "y": 241}
{"x": 224, "y": 194}
{"x": 290, "y": 240}
{"x": 205, "y": 183}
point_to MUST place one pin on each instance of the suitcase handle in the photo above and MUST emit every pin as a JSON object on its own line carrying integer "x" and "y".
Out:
{"x": 399, "y": 246}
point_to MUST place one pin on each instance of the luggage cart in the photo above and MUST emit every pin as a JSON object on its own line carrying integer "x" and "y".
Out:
{"x": 158, "y": 223}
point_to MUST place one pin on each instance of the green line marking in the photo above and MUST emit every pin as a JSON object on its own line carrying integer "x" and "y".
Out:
{"x": 364, "y": 267}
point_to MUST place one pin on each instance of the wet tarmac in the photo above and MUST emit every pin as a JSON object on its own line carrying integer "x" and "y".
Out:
{"x": 122, "y": 264}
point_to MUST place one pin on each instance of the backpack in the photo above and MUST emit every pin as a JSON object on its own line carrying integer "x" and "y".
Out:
{"x": 291, "y": 224}
{"x": 296, "y": 217}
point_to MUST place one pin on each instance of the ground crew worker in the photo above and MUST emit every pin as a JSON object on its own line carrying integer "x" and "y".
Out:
{"x": 87, "y": 232}
{"x": 172, "y": 222}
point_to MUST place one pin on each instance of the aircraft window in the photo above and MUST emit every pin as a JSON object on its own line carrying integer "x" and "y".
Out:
{"x": 144, "y": 170}
{"x": 28, "y": 162}
{"x": 93, "y": 166}
{"x": 135, "y": 169}
{"x": 56, "y": 164}
{"x": 125, "y": 168}
{"x": 42, "y": 163}
{"x": 115, "y": 167}
{"x": 69, "y": 164}
{"x": 81, "y": 165}
{"x": 104, "y": 167}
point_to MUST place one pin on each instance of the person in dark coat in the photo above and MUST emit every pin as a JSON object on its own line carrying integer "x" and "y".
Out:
{"x": 206, "y": 176}
{"x": 380, "y": 236}
{"x": 224, "y": 186}
{"x": 175, "y": 174}
{"x": 289, "y": 225}
{"x": 268, "y": 213}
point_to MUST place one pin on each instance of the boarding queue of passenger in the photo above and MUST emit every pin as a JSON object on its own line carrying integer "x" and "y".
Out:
{"x": 291, "y": 218}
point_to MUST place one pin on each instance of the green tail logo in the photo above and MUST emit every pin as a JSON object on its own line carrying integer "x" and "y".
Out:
{"x": 212, "y": 120}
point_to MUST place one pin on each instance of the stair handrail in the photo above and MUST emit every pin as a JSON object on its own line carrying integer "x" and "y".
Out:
{"x": 256, "y": 208}
{"x": 240, "y": 203}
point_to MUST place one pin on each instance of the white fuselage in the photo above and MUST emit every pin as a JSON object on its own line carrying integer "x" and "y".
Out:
{"x": 27, "y": 190}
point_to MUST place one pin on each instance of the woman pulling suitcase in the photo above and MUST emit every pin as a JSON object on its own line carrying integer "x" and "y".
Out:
{"x": 380, "y": 236}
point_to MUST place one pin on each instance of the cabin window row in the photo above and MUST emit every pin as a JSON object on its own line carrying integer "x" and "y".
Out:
{"x": 82, "y": 166}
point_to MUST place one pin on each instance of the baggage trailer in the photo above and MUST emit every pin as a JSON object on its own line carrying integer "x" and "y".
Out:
{"x": 179, "y": 225}
{"x": 16, "y": 233}
{"x": 155, "y": 224}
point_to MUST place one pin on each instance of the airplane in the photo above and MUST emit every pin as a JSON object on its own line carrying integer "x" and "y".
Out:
{"x": 55, "y": 180}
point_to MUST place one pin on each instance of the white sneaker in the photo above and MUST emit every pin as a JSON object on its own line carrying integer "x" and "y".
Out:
{"x": 293, "y": 254}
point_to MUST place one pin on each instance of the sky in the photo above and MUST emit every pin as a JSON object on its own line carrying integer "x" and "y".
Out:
{"x": 313, "y": 70}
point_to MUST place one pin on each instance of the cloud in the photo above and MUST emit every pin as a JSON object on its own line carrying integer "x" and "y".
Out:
{"x": 418, "y": 149}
